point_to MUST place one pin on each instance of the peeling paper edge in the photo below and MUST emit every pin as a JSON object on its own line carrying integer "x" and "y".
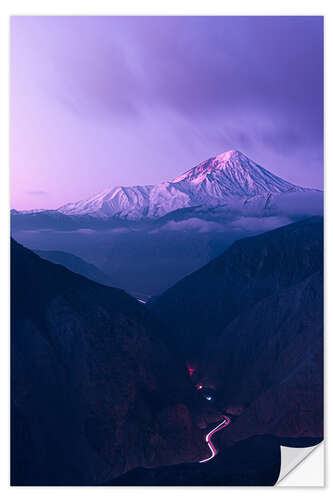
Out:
{"x": 298, "y": 469}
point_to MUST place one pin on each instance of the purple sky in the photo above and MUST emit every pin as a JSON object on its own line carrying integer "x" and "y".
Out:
{"x": 103, "y": 101}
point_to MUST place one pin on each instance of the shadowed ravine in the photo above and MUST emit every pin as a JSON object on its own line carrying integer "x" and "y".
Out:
{"x": 108, "y": 391}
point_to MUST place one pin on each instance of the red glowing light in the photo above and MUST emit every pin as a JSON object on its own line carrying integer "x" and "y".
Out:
{"x": 191, "y": 371}
{"x": 199, "y": 387}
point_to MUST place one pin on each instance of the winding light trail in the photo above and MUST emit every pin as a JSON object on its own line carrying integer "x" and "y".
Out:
{"x": 226, "y": 421}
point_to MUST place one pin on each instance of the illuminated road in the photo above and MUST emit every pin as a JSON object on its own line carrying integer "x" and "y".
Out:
{"x": 225, "y": 422}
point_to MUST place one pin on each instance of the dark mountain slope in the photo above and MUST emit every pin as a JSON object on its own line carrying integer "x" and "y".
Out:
{"x": 284, "y": 330}
{"x": 75, "y": 264}
{"x": 199, "y": 307}
{"x": 252, "y": 462}
{"x": 252, "y": 322}
{"x": 94, "y": 391}
{"x": 268, "y": 365}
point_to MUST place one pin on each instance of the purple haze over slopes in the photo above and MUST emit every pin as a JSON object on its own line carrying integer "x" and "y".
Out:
{"x": 103, "y": 101}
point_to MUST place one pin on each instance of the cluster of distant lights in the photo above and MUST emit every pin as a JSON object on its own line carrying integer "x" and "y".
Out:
{"x": 198, "y": 386}
{"x": 224, "y": 423}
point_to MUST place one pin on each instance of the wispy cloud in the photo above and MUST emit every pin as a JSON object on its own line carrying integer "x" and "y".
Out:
{"x": 37, "y": 193}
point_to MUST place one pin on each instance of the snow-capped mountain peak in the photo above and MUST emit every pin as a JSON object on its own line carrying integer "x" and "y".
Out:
{"x": 236, "y": 175}
{"x": 219, "y": 162}
{"x": 228, "y": 176}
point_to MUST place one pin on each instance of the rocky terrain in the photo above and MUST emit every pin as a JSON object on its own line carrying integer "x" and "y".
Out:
{"x": 251, "y": 322}
{"x": 252, "y": 462}
{"x": 100, "y": 393}
{"x": 95, "y": 392}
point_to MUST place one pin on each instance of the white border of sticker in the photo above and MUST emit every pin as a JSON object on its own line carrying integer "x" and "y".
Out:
{"x": 150, "y": 7}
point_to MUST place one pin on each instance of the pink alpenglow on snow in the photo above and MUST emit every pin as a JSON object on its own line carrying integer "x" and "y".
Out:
{"x": 230, "y": 178}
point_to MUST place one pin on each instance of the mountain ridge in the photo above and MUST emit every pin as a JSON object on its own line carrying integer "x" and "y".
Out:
{"x": 75, "y": 264}
{"x": 251, "y": 323}
{"x": 94, "y": 390}
{"x": 219, "y": 180}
